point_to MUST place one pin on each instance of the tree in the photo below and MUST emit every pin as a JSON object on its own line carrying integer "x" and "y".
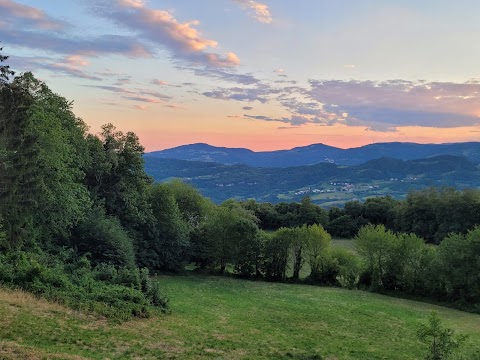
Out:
{"x": 19, "y": 183}
{"x": 5, "y": 71}
{"x": 354, "y": 208}
{"x": 227, "y": 236}
{"x": 3, "y": 236}
{"x": 116, "y": 179}
{"x": 344, "y": 226}
{"x": 441, "y": 341}
{"x": 380, "y": 210}
{"x": 417, "y": 214}
{"x": 104, "y": 239}
{"x": 167, "y": 248}
{"x": 265, "y": 213}
{"x": 374, "y": 243}
{"x": 276, "y": 254}
{"x": 298, "y": 243}
{"x": 62, "y": 154}
{"x": 406, "y": 263}
{"x": 41, "y": 153}
{"x": 192, "y": 205}
{"x": 347, "y": 267}
{"x": 310, "y": 214}
{"x": 317, "y": 246}
{"x": 247, "y": 247}
{"x": 459, "y": 266}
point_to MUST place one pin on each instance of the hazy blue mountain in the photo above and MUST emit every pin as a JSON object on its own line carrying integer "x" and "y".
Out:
{"x": 317, "y": 153}
{"x": 326, "y": 183}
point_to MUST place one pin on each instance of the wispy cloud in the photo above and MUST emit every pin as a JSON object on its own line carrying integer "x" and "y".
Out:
{"x": 68, "y": 66}
{"x": 28, "y": 16}
{"x": 182, "y": 39}
{"x": 220, "y": 74}
{"x": 159, "y": 82}
{"x": 138, "y": 95}
{"x": 390, "y": 104}
{"x": 378, "y": 106}
{"x": 28, "y": 27}
{"x": 175, "y": 107}
{"x": 260, "y": 11}
{"x": 259, "y": 92}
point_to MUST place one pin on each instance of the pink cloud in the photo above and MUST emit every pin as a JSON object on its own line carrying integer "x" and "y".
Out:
{"x": 28, "y": 14}
{"x": 459, "y": 98}
{"x": 76, "y": 61}
{"x": 69, "y": 66}
{"x": 261, "y": 12}
{"x": 183, "y": 39}
{"x": 159, "y": 82}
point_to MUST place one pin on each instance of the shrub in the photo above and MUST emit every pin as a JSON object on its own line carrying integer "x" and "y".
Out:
{"x": 104, "y": 239}
{"x": 117, "y": 293}
{"x": 348, "y": 267}
{"x": 441, "y": 341}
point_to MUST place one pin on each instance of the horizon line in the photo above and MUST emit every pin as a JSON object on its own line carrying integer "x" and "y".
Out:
{"x": 312, "y": 144}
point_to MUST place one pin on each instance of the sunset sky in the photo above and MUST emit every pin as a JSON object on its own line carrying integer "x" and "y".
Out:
{"x": 266, "y": 74}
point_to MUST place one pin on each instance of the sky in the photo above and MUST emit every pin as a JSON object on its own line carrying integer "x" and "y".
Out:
{"x": 265, "y": 75}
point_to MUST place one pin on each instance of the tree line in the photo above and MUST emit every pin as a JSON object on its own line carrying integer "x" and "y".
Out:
{"x": 431, "y": 214}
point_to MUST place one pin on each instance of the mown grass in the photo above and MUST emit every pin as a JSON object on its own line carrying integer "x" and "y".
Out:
{"x": 225, "y": 318}
{"x": 344, "y": 243}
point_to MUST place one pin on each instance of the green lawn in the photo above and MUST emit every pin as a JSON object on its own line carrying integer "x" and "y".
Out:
{"x": 344, "y": 243}
{"x": 225, "y": 318}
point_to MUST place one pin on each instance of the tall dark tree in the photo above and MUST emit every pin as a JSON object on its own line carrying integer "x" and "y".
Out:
{"x": 19, "y": 155}
{"x": 42, "y": 148}
{"x": 167, "y": 249}
{"x": 5, "y": 71}
{"x": 116, "y": 178}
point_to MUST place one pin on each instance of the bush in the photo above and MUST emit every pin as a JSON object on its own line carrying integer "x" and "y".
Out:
{"x": 104, "y": 239}
{"x": 348, "y": 268}
{"x": 117, "y": 293}
{"x": 441, "y": 341}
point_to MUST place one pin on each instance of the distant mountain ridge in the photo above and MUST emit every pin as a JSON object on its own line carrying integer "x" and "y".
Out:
{"x": 327, "y": 183}
{"x": 317, "y": 153}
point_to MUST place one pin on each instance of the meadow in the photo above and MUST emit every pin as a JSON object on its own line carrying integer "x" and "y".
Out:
{"x": 225, "y": 318}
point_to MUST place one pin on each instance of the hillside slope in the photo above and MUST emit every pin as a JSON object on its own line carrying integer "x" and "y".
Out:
{"x": 325, "y": 182}
{"x": 215, "y": 317}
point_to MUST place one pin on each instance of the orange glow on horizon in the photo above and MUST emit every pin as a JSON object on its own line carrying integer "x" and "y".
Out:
{"x": 338, "y": 136}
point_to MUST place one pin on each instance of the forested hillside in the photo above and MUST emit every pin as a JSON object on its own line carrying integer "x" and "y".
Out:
{"x": 327, "y": 184}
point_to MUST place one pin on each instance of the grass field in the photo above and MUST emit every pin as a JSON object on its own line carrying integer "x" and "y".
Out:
{"x": 344, "y": 243}
{"x": 225, "y": 318}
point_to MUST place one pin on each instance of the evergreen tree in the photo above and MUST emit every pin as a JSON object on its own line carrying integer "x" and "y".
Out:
{"x": 5, "y": 71}
{"x": 19, "y": 155}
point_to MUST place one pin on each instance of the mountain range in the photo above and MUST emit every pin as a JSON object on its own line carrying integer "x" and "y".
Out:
{"x": 327, "y": 183}
{"x": 317, "y": 153}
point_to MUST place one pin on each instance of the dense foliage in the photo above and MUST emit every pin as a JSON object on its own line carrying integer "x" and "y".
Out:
{"x": 431, "y": 214}
{"x": 329, "y": 184}
{"x": 74, "y": 207}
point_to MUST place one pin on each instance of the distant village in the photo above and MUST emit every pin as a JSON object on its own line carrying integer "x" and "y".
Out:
{"x": 338, "y": 187}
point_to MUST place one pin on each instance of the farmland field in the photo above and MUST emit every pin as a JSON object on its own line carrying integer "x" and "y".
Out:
{"x": 225, "y": 318}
